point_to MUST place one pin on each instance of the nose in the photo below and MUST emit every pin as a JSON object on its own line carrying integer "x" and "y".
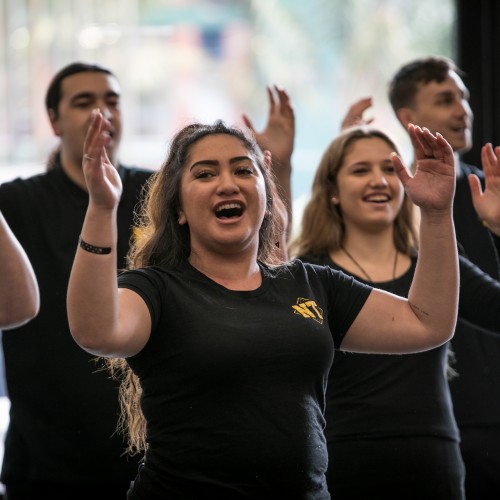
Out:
{"x": 105, "y": 110}
{"x": 463, "y": 108}
{"x": 227, "y": 183}
{"x": 378, "y": 178}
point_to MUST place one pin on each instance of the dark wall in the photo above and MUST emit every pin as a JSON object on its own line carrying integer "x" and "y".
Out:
{"x": 478, "y": 55}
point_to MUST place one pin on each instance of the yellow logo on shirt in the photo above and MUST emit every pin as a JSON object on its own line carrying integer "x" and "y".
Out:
{"x": 308, "y": 309}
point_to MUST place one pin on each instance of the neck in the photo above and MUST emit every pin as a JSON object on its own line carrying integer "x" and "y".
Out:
{"x": 233, "y": 271}
{"x": 73, "y": 169}
{"x": 371, "y": 246}
{"x": 371, "y": 256}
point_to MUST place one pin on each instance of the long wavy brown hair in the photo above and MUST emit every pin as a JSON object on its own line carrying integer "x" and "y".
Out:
{"x": 159, "y": 240}
{"x": 322, "y": 228}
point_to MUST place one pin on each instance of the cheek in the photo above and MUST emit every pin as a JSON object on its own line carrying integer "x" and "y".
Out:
{"x": 399, "y": 194}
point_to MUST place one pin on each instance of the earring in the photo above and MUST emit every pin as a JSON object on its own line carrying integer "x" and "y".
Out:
{"x": 335, "y": 200}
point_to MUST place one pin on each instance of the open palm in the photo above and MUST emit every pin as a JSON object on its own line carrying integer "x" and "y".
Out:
{"x": 432, "y": 185}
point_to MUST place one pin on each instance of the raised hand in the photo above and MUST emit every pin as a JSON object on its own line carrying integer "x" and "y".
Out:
{"x": 432, "y": 185}
{"x": 279, "y": 134}
{"x": 277, "y": 139}
{"x": 487, "y": 202}
{"x": 102, "y": 179}
{"x": 354, "y": 114}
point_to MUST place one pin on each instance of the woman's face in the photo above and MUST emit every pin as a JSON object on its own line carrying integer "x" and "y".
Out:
{"x": 369, "y": 193}
{"x": 223, "y": 196}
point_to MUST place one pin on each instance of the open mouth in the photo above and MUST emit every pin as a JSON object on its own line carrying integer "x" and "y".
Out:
{"x": 229, "y": 211}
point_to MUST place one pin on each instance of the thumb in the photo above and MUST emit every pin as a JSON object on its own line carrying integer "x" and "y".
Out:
{"x": 475, "y": 188}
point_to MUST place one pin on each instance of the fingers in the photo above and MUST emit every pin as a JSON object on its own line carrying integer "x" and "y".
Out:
{"x": 355, "y": 113}
{"x": 475, "y": 187}
{"x": 429, "y": 146}
{"x": 286, "y": 107}
{"x": 489, "y": 160}
{"x": 248, "y": 123}
{"x": 401, "y": 170}
{"x": 272, "y": 101}
{"x": 97, "y": 137}
{"x": 90, "y": 138}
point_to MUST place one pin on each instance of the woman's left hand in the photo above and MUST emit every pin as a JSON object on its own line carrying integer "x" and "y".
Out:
{"x": 432, "y": 185}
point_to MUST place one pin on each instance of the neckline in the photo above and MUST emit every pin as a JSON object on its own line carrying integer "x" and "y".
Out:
{"x": 362, "y": 269}
{"x": 376, "y": 284}
{"x": 264, "y": 285}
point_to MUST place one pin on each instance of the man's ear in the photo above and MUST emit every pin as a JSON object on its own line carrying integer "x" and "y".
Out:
{"x": 54, "y": 122}
{"x": 405, "y": 116}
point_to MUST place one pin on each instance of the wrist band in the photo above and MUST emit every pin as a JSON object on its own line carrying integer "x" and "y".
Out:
{"x": 92, "y": 249}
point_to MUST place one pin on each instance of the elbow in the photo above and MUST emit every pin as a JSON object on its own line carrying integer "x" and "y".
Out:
{"x": 89, "y": 341}
{"x": 20, "y": 313}
{"x": 440, "y": 336}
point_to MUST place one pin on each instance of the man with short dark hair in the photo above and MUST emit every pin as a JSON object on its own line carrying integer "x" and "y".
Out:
{"x": 429, "y": 92}
{"x": 62, "y": 441}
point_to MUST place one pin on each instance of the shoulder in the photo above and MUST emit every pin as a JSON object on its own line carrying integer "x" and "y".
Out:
{"x": 320, "y": 260}
{"x": 134, "y": 174}
{"x": 23, "y": 188}
{"x": 26, "y": 182}
{"x": 308, "y": 270}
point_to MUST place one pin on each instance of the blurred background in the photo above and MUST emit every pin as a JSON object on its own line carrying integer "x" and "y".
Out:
{"x": 179, "y": 60}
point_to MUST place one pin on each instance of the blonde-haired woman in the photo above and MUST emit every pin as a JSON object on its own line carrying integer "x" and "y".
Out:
{"x": 390, "y": 427}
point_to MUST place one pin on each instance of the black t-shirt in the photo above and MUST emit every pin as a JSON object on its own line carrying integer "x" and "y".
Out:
{"x": 63, "y": 407}
{"x": 475, "y": 392}
{"x": 233, "y": 381}
{"x": 378, "y": 396}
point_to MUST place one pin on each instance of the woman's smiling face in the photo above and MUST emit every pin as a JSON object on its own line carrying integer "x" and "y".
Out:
{"x": 368, "y": 191}
{"x": 223, "y": 195}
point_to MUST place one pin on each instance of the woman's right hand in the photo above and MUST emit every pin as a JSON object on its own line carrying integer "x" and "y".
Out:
{"x": 102, "y": 179}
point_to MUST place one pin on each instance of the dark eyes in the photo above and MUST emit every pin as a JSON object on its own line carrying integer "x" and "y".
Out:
{"x": 389, "y": 169}
{"x": 239, "y": 171}
{"x": 244, "y": 171}
{"x": 203, "y": 174}
{"x": 89, "y": 103}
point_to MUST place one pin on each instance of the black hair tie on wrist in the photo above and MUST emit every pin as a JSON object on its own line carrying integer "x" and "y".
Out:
{"x": 92, "y": 249}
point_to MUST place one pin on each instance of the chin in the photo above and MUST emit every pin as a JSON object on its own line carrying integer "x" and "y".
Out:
{"x": 462, "y": 148}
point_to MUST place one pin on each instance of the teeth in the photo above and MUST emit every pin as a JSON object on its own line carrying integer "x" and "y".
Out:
{"x": 228, "y": 206}
{"x": 377, "y": 197}
{"x": 229, "y": 210}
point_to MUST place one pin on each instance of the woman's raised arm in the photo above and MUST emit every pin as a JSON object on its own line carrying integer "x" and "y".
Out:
{"x": 103, "y": 320}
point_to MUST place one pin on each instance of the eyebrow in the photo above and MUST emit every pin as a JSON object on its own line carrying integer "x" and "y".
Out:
{"x": 447, "y": 93}
{"x": 364, "y": 163}
{"x": 90, "y": 95}
{"x": 214, "y": 163}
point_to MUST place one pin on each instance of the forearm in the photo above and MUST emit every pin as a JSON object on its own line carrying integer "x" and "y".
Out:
{"x": 433, "y": 296}
{"x": 92, "y": 300}
{"x": 19, "y": 297}
{"x": 283, "y": 173}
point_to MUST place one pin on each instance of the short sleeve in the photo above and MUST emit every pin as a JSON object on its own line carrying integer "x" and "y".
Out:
{"x": 149, "y": 285}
